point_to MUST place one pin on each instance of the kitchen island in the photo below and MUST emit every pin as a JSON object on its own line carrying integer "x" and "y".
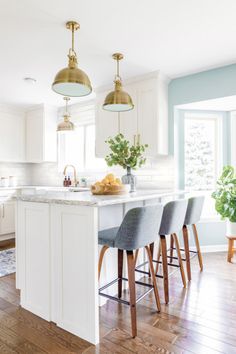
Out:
{"x": 57, "y": 253}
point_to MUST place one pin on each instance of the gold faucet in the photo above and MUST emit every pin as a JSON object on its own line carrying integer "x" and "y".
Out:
{"x": 75, "y": 182}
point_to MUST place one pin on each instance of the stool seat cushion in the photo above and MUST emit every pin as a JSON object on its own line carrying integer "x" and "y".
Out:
{"x": 108, "y": 236}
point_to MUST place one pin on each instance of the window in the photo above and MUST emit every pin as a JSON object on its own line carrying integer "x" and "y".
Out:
{"x": 78, "y": 147}
{"x": 200, "y": 154}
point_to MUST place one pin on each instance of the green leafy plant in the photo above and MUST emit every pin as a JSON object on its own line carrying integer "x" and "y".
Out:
{"x": 225, "y": 194}
{"x": 124, "y": 154}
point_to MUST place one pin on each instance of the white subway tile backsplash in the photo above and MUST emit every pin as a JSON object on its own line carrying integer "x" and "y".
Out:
{"x": 158, "y": 173}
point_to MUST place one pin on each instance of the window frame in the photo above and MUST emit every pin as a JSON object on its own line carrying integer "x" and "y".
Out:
{"x": 222, "y": 142}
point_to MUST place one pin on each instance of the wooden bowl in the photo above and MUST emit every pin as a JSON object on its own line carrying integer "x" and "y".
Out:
{"x": 108, "y": 189}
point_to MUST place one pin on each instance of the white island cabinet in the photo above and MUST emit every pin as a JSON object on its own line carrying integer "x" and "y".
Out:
{"x": 57, "y": 253}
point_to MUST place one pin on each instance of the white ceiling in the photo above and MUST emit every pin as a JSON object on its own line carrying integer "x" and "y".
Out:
{"x": 176, "y": 37}
{"x": 217, "y": 104}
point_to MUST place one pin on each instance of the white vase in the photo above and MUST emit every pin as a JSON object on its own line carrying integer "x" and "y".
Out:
{"x": 230, "y": 228}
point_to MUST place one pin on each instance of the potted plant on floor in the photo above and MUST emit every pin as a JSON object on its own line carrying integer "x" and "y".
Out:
{"x": 127, "y": 156}
{"x": 225, "y": 198}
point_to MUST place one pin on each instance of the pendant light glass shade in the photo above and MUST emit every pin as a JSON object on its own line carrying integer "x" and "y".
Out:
{"x": 66, "y": 125}
{"x": 72, "y": 81}
{"x": 118, "y": 100}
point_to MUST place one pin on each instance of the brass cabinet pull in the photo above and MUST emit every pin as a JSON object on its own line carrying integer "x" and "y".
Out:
{"x": 3, "y": 211}
{"x": 138, "y": 138}
{"x": 134, "y": 140}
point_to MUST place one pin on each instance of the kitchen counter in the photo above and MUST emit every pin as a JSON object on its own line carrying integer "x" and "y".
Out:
{"x": 57, "y": 253}
{"x": 87, "y": 199}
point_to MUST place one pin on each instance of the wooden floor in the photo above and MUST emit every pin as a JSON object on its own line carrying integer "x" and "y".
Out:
{"x": 200, "y": 319}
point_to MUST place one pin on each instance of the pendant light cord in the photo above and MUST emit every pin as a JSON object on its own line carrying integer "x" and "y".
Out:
{"x": 73, "y": 38}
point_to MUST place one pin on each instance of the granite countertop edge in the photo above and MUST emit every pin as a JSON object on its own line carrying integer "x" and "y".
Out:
{"x": 87, "y": 199}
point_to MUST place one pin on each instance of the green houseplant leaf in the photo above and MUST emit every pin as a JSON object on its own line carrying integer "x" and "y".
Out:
{"x": 225, "y": 194}
{"x": 124, "y": 154}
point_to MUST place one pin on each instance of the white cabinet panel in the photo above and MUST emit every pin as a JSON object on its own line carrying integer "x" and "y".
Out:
{"x": 7, "y": 219}
{"x": 74, "y": 244}
{"x": 33, "y": 257}
{"x": 106, "y": 126}
{"x": 148, "y": 116}
{"x": 128, "y": 120}
{"x": 41, "y": 135}
{"x": 34, "y": 135}
{"x": 12, "y": 136}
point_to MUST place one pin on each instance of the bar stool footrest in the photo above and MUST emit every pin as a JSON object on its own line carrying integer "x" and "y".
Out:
{"x": 121, "y": 300}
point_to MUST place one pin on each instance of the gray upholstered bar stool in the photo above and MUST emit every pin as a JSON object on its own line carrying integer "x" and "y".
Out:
{"x": 172, "y": 222}
{"x": 138, "y": 230}
{"x": 192, "y": 217}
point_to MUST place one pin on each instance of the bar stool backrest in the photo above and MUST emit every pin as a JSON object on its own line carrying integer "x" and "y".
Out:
{"x": 194, "y": 210}
{"x": 173, "y": 217}
{"x": 139, "y": 227}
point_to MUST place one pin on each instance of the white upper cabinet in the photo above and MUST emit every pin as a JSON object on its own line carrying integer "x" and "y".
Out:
{"x": 41, "y": 135}
{"x": 106, "y": 126}
{"x": 147, "y": 122}
{"x": 12, "y": 135}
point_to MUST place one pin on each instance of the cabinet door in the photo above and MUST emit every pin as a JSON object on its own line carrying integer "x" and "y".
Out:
{"x": 106, "y": 126}
{"x": 7, "y": 221}
{"x": 128, "y": 120}
{"x": 148, "y": 115}
{"x": 12, "y": 137}
{"x": 34, "y": 136}
{"x": 33, "y": 257}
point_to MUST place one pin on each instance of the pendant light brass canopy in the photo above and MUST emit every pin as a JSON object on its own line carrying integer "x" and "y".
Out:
{"x": 118, "y": 100}
{"x": 66, "y": 125}
{"x": 72, "y": 81}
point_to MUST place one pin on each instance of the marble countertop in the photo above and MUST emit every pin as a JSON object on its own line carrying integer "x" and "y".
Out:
{"x": 87, "y": 199}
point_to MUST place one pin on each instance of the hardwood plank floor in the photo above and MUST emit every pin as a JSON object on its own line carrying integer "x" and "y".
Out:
{"x": 200, "y": 319}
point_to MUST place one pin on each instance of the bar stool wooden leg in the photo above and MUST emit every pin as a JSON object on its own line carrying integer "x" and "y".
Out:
{"x": 198, "y": 247}
{"x": 230, "y": 249}
{"x": 186, "y": 250}
{"x": 136, "y": 256}
{"x": 165, "y": 268}
{"x": 131, "y": 279}
{"x": 103, "y": 250}
{"x": 153, "y": 279}
{"x": 180, "y": 260}
{"x": 120, "y": 271}
{"x": 151, "y": 248}
{"x": 171, "y": 248}
{"x": 158, "y": 257}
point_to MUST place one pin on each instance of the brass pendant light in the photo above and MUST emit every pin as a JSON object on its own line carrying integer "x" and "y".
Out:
{"x": 66, "y": 125}
{"x": 72, "y": 81}
{"x": 118, "y": 100}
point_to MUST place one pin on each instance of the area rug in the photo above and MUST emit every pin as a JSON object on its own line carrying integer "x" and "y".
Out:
{"x": 7, "y": 262}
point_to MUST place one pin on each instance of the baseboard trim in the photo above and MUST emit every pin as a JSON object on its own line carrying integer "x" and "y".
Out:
{"x": 213, "y": 248}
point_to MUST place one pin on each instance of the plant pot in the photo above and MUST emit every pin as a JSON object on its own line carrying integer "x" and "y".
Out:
{"x": 230, "y": 228}
{"x": 130, "y": 180}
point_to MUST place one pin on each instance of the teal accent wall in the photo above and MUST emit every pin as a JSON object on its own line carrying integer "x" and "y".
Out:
{"x": 215, "y": 83}
{"x": 220, "y": 82}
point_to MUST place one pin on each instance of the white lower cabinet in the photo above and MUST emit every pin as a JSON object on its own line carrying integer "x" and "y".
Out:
{"x": 33, "y": 257}
{"x": 53, "y": 244}
{"x": 7, "y": 217}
